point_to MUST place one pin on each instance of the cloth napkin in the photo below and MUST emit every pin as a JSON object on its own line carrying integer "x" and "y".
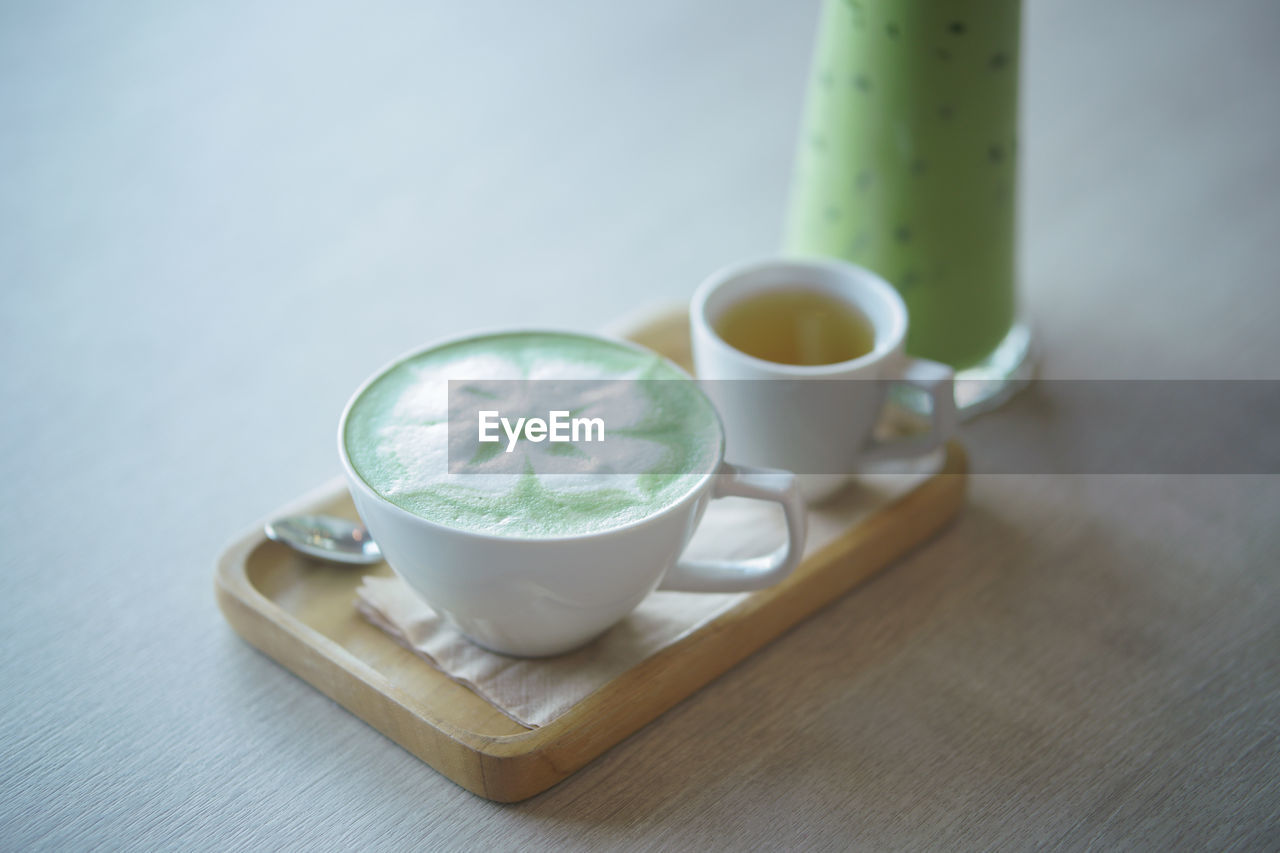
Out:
{"x": 533, "y": 692}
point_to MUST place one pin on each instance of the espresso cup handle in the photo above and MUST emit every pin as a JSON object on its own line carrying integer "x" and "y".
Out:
{"x": 765, "y": 484}
{"x": 938, "y": 381}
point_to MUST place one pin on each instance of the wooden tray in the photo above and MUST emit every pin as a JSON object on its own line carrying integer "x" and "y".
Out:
{"x": 302, "y": 613}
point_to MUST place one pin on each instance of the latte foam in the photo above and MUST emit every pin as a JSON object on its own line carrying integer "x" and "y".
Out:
{"x": 663, "y": 436}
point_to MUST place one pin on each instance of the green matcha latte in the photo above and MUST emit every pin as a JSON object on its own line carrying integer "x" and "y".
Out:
{"x": 405, "y": 427}
{"x": 908, "y": 161}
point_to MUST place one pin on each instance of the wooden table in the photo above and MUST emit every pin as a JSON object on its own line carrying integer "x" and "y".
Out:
{"x": 216, "y": 220}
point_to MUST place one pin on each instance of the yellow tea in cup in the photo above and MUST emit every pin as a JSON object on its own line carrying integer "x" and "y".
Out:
{"x": 796, "y": 326}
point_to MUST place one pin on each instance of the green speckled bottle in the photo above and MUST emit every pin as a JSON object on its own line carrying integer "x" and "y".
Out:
{"x": 907, "y": 163}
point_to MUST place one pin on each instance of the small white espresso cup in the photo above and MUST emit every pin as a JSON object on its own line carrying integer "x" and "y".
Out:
{"x": 533, "y": 597}
{"x": 807, "y": 423}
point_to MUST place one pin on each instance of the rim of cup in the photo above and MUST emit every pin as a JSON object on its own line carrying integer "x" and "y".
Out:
{"x": 829, "y": 276}
{"x": 353, "y": 476}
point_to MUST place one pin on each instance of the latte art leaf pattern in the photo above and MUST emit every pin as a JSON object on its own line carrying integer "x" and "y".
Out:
{"x": 662, "y": 435}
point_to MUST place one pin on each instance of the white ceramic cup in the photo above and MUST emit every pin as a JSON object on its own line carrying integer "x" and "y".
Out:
{"x": 533, "y": 597}
{"x": 823, "y": 430}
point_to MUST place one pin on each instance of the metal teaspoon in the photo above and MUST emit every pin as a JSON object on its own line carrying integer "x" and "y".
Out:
{"x": 325, "y": 537}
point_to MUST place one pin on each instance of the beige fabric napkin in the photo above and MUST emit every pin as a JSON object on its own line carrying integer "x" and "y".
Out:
{"x": 534, "y": 692}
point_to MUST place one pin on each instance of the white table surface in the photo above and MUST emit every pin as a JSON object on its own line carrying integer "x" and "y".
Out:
{"x": 216, "y": 219}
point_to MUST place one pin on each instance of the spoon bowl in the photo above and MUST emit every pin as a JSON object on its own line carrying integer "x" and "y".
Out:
{"x": 326, "y": 537}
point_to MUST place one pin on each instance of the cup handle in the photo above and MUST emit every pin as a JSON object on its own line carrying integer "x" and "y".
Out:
{"x": 765, "y": 484}
{"x": 938, "y": 381}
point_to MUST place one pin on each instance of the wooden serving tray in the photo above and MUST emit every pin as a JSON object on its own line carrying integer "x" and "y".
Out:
{"x": 301, "y": 612}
